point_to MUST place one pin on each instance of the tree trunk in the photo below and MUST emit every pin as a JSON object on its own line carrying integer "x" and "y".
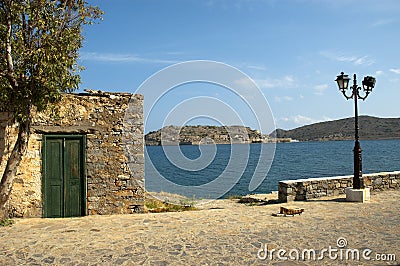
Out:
{"x": 13, "y": 162}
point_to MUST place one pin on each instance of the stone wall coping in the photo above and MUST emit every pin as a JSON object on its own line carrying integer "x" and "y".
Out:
{"x": 314, "y": 179}
{"x": 105, "y": 94}
{"x": 336, "y": 177}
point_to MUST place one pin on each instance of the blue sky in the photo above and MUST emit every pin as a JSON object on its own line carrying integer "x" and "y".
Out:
{"x": 292, "y": 49}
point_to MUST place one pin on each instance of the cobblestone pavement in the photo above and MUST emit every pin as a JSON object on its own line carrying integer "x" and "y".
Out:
{"x": 225, "y": 233}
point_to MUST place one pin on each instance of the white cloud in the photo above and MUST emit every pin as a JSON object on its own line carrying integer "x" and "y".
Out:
{"x": 395, "y": 70}
{"x": 365, "y": 60}
{"x": 320, "y": 89}
{"x": 379, "y": 73}
{"x": 122, "y": 58}
{"x": 357, "y": 60}
{"x": 257, "y": 67}
{"x": 247, "y": 87}
{"x": 175, "y": 53}
{"x": 245, "y": 83}
{"x": 384, "y": 22}
{"x": 285, "y": 82}
{"x": 280, "y": 99}
{"x": 301, "y": 120}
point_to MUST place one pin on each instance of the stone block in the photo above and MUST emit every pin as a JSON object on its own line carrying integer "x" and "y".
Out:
{"x": 357, "y": 195}
{"x": 290, "y": 198}
{"x": 282, "y": 198}
{"x": 124, "y": 193}
{"x": 123, "y": 177}
{"x": 300, "y": 197}
{"x": 367, "y": 181}
{"x": 377, "y": 182}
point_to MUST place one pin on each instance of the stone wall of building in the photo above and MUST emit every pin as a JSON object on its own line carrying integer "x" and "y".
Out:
{"x": 112, "y": 124}
{"x": 303, "y": 189}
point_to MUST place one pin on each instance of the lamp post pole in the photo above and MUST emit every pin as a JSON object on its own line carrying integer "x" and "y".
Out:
{"x": 357, "y": 151}
{"x": 368, "y": 84}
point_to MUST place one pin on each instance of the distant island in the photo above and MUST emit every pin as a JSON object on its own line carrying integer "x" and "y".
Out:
{"x": 196, "y": 135}
{"x": 342, "y": 129}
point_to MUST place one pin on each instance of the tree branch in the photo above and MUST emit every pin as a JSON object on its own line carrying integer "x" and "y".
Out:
{"x": 25, "y": 31}
{"x": 10, "y": 64}
{"x": 10, "y": 74}
{"x": 65, "y": 16}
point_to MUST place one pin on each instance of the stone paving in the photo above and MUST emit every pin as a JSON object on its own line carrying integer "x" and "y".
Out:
{"x": 223, "y": 233}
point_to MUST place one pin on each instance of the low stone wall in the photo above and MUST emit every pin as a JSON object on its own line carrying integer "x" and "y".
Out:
{"x": 303, "y": 189}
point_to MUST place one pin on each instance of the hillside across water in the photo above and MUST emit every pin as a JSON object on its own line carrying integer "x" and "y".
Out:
{"x": 343, "y": 129}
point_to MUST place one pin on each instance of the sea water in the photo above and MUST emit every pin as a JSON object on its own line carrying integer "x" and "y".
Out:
{"x": 233, "y": 167}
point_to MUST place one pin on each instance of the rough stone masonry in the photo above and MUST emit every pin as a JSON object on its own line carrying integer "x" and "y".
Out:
{"x": 311, "y": 188}
{"x": 112, "y": 125}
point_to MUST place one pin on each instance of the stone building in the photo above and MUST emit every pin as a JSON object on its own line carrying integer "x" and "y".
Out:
{"x": 85, "y": 156}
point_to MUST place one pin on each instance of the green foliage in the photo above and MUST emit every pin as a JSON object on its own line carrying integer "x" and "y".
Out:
{"x": 6, "y": 222}
{"x": 155, "y": 206}
{"x": 187, "y": 202}
{"x": 40, "y": 40}
{"x": 235, "y": 197}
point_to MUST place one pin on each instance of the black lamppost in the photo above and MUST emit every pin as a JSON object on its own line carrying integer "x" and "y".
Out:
{"x": 368, "y": 84}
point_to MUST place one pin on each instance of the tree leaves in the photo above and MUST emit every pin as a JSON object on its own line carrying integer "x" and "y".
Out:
{"x": 40, "y": 40}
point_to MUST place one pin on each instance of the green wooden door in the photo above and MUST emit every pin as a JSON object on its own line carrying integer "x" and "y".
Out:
{"x": 64, "y": 176}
